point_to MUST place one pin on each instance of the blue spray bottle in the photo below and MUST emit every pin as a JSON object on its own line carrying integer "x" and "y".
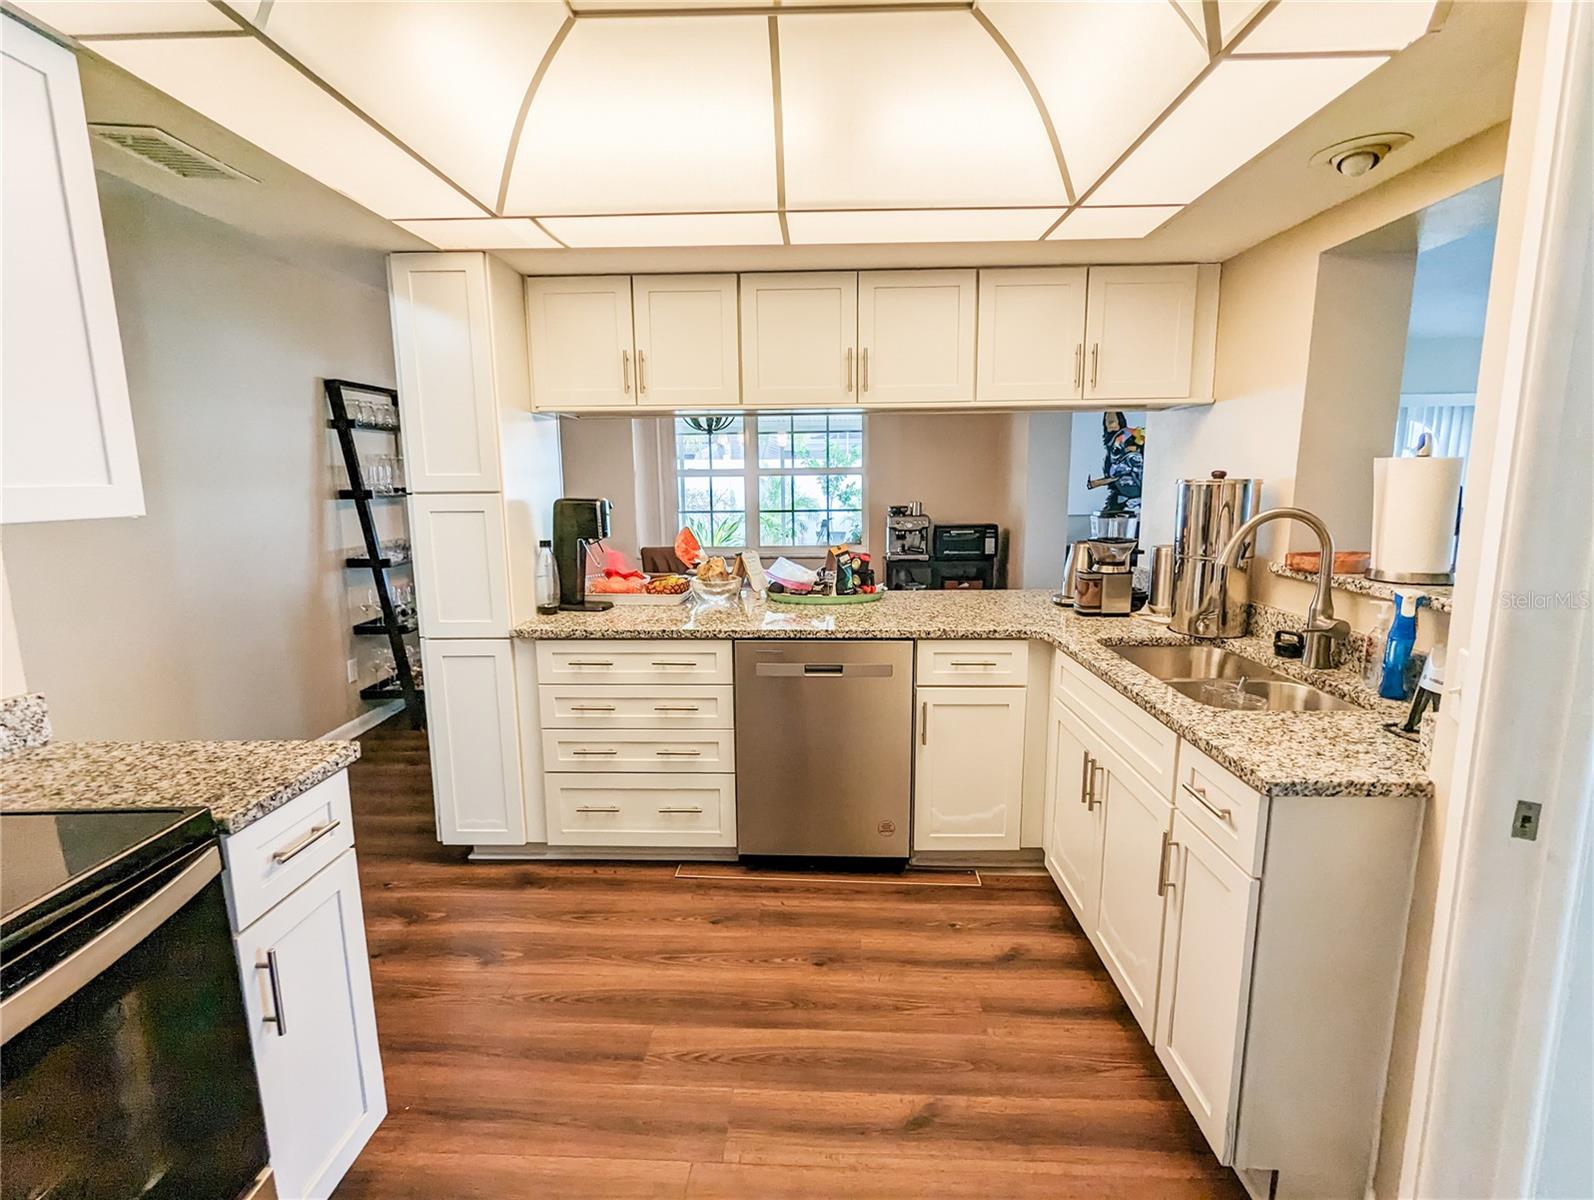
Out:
{"x": 1398, "y": 646}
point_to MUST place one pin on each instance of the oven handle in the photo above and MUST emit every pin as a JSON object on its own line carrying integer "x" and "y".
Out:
{"x": 78, "y": 969}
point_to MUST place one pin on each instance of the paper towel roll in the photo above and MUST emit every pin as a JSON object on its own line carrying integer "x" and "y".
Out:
{"x": 1414, "y": 519}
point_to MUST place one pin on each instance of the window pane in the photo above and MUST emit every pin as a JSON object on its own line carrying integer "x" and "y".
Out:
{"x": 810, "y": 421}
{"x": 809, "y": 491}
{"x": 729, "y": 493}
{"x": 844, "y": 420}
{"x": 846, "y": 449}
{"x": 775, "y": 528}
{"x": 809, "y": 529}
{"x": 694, "y": 493}
{"x": 730, "y": 447}
{"x": 808, "y": 449}
{"x": 701, "y": 525}
{"x": 847, "y": 527}
{"x": 774, "y": 491}
{"x": 691, "y": 451}
{"x": 844, "y": 491}
{"x": 774, "y": 449}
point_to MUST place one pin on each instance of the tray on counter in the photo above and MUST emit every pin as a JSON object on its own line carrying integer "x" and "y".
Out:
{"x": 855, "y": 598}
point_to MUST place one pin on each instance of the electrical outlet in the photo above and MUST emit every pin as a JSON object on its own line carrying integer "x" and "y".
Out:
{"x": 1525, "y": 821}
{"x": 353, "y": 667}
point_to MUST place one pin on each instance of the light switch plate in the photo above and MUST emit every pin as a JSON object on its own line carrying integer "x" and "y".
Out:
{"x": 1525, "y": 822}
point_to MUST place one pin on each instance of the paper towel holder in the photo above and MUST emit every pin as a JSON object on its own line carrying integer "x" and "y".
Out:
{"x": 1423, "y": 449}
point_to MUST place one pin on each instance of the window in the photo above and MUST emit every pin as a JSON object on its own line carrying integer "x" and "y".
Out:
{"x": 776, "y": 482}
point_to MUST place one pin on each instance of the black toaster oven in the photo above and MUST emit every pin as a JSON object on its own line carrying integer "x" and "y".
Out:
{"x": 965, "y": 542}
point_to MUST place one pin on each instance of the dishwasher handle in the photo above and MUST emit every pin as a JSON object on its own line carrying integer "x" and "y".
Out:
{"x": 830, "y": 670}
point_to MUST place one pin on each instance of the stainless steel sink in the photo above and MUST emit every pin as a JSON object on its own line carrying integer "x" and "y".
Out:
{"x": 1190, "y": 670}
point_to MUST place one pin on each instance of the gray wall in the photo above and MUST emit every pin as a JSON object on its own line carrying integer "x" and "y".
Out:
{"x": 222, "y": 613}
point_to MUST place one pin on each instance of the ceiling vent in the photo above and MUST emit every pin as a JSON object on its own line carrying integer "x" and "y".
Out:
{"x": 167, "y": 152}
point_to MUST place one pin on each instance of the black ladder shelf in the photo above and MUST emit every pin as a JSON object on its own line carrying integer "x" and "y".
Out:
{"x": 401, "y": 684}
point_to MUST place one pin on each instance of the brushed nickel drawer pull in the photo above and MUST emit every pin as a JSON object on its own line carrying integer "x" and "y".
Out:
{"x": 972, "y": 662}
{"x": 1094, "y": 798}
{"x": 675, "y": 708}
{"x": 276, "y": 1017}
{"x": 625, "y": 367}
{"x": 641, "y": 372}
{"x": 863, "y": 371}
{"x": 1084, "y": 780}
{"x": 1079, "y": 364}
{"x": 295, "y": 848}
{"x": 589, "y": 662}
{"x": 1095, "y": 362}
{"x": 924, "y": 723}
{"x": 673, "y": 662}
{"x": 594, "y": 753}
{"x": 1222, "y": 814}
{"x": 670, "y": 811}
{"x": 1163, "y": 882}
{"x": 849, "y": 368}
{"x": 592, "y": 708}
{"x": 677, "y": 753}
{"x": 598, "y": 808}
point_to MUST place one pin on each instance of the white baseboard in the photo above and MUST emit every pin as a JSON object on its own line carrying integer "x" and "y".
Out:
{"x": 366, "y": 720}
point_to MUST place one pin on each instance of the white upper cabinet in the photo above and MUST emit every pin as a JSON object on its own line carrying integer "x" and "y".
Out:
{"x": 1140, "y": 325}
{"x": 69, "y": 451}
{"x": 916, "y": 337}
{"x": 800, "y": 338}
{"x": 458, "y": 337}
{"x": 581, "y": 343}
{"x": 1032, "y": 335}
{"x": 686, "y": 340}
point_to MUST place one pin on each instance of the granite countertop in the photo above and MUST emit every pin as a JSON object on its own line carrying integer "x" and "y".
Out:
{"x": 239, "y": 782}
{"x": 1440, "y": 599}
{"x": 1279, "y": 753}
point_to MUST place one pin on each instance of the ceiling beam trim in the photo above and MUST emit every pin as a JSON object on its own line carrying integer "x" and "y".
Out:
{"x": 1195, "y": 31}
{"x": 1212, "y": 17}
{"x": 780, "y": 130}
{"x": 1041, "y": 110}
{"x": 525, "y": 110}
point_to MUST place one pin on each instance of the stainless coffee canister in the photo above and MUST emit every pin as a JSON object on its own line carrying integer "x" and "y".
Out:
{"x": 1209, "y": 600}
{"x": 1160, "y": 601}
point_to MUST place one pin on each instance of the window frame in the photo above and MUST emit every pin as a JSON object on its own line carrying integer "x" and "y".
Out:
{"x": 750, "y": 474}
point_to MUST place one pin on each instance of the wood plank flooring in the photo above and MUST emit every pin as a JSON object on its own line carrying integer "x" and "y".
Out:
{"x": 612, "y": 1031}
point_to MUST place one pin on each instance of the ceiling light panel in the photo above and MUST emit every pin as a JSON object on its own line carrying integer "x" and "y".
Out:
{"x": 1235, "y": 113}
{"x": 1307, "y": 26}
{"x": 482, "y": 233}
{"x": 82, "y": 18}
{"x": 1232, "y": 16}
{"x": 919, "y": 225}
{"x": 651, "y": 115}
{"x": 891, "y": 110}
{"x": 1105, "y": 71}
{"x": 1130, "y": 222}
{"x": 448, "y": 79}
{"x": 671, "y": 229}
{"x": 242, "y": 85}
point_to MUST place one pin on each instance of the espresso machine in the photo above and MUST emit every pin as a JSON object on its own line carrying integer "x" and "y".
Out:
{"x": 1209, "y": 599}
{"x": 576, "y": 525}
{"x": 907, "y": 547}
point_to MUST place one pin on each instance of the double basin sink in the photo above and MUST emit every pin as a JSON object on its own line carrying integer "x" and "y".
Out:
{"x": 1222, "y": 679}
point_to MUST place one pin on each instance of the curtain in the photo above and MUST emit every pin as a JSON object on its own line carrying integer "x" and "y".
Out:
{"x": 1450, "y": 424}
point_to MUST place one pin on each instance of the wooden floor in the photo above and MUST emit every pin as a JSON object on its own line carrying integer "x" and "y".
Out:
{"x": 613, "y": 1031}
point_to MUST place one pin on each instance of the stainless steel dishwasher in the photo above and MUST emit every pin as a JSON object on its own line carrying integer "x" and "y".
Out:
{"x": 824, "y": 748}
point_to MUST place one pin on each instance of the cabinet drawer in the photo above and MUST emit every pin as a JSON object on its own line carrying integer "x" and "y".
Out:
{"x": 641, "y": 810}
{"x": 621, "y": 706}
{"x": 1233, "y": 815}
{"x": 962, "y": 664}
{"x": 674, "y": 661}
{"x": 269, "y": 859}
{"x": 711, "y": 751}
{"x": 1146, "y": 745}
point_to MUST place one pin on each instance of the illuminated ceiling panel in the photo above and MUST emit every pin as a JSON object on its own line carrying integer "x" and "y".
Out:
{"x": 482, "y": 233}
{"x": 1132, "y": 222}
{"x": 920, "y": 225}
{"x": 472, "y": 63}
{"x": 1298, "y": 26}
{"x": 87, "y": 18}
{"x": 239, "y": 83}
{"x": 651, "y": 115}
{"x": 1236, "y": 112}
{"x": 672, "y": 229}
{"x": 897, "y": 110}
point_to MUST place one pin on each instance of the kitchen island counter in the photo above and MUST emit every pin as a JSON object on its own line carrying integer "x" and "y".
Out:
{"x": 239, "y": 782}
{"x": 1344, "y": 752}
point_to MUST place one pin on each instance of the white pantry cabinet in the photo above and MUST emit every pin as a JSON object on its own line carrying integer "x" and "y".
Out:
{"x": 1140, "y": 325}
{"x": 475, "y": 742}
{"x": 687, "y": 352}
{"x": 459, "y": 341}
{"x": 969, "y": 771}
{"x": 462, "y": 582}
{"x": 1206, "y": 972}
{"x": 916, "y": 337}
{"x": 69, "y": 451}
{"x": 1032, "y": 335}
{"x": 800, "y": 338}
{"x": 307, "y": 995}
{"x": 581, "y": 341}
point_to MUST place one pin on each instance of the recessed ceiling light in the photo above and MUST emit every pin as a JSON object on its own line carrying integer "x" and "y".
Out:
{"x": 1360, "y": 155}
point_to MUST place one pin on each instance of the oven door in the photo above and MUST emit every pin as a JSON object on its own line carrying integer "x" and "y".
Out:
{"x": 126, "y": 1066}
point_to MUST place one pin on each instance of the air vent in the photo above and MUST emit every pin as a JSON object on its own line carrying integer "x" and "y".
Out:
{"x": 167, "y": 152}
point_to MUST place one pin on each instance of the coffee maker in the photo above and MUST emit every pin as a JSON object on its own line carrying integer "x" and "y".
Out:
{"x": 907, "y": 547}
{"x": 576, "y": 524}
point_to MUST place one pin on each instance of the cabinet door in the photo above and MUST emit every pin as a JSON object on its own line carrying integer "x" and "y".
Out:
{"x": 1140, "y": 332}
{"x": 1073, "y": 839}
{"x": 968, "y": 782}
{"x": 475, "y": 741}
{"x": 68, "y": 450}
{"x": 580, "y": 330}
{"x": 687, "y": 352}
{"x": 915, "y": 337}
{"x": 461, "y": 567}
{"x": 1206, "y": 971}
{"x": 1032, "y": 335}
{"x": 1135, "y": 823}
{"x": 307, "y": 992}
{"x": 443, "y": 344}
{"x": 800, "y": 338}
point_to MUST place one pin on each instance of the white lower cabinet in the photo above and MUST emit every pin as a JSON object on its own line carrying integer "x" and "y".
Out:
{"x": 1073, "y": 835}
{"x": 1206, "y": 971}
{"x": 969, "y": 773}
{"x": 475, "y": 741}
{"x": 307, "y": 995}
{"x": 641, "y": 810}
